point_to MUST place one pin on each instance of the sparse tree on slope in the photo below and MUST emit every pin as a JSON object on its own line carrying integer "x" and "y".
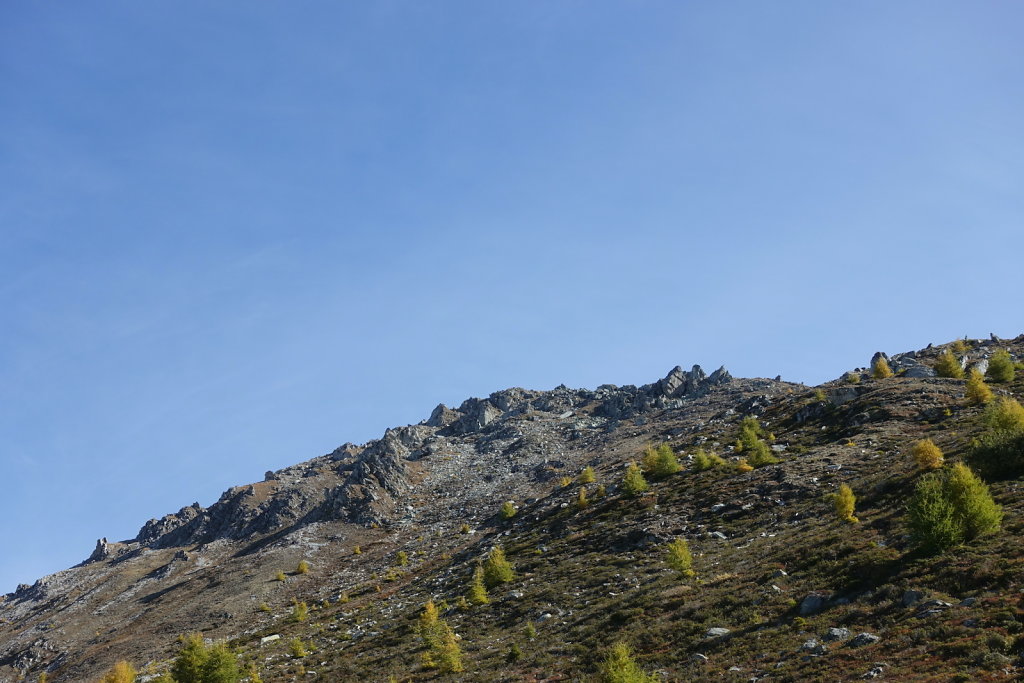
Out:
{"x": 633, "y": 483}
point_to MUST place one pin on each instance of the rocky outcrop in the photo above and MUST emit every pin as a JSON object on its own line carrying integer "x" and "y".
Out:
{"x": 106, "y": 550}
{"x": 364, "y": 484}
{"x": 628, "y": 402}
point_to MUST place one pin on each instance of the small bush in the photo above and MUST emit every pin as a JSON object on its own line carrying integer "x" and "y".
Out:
{"x": 950, "y": 507}
{"x": 497, "y": 569}
{"x": 702, "y": 460}
{"x": 1000, "y": 367}
{"x": 303, "y": 567}
{"x": 530, "y": 631}
{"x": 750, "y": 433}
{"x": 581, "y": 498}
{"x": 464, "y": 529}
{"x": 932, "y": 518}
{"x": 565, "y": 481}
{"x": 981, "y": 514}
{"x": 759, "y": 455}
{"x": 844, "y": 502}
{"x": 880, "y": 368}
{"x": 264, "y": 607}
{"x": 743, "y": 466}
{"x": 298, "y": 648}
{"x": 477, "y": 594}
{"x": 620, "y": 667}
{"x": 1006, "y": 414}
{"x": 587, "y": 476}
{"x": 949, "y": 366}
{"x": 508, "y": 510}
{"x": 998, "y": 454}
{"x": 122, "y": 672}
{"x": 280, "y": 577}
{"x": 197, "y": 663}
{"x": 976, "y": 391}
{"x": 927, "y": 455}
{"x": 401, "y": 559}
{"x": 660, "y": 462}
{"x": 442, "y": 651}
{"x": 679, "y": 557}
{"x": 357, "y": 550}
{"x": 633, "y": 483}
{"x": 999, "y": 451}
{"x": 515, "y": 653}
{"x": 300, "y": 611}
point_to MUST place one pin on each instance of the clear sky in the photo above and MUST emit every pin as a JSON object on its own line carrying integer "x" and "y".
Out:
{"x": 234, "y": 235}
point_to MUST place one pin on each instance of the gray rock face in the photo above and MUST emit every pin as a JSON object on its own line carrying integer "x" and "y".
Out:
{"x": 476, "y": 414}
{"x": 919, "y": 371}
{"x": 628, "y": 401}
{"x": 172, "y": 529}
{"x": 841, "y": 395}
{"x": 442, "y": 416}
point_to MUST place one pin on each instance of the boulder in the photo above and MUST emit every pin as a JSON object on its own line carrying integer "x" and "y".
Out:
{"x": 911, "y": 597}
{"x": 813, "y": 647}
{"x": 864, "y": 639}
{"x": 835, "y": 634}
{"x": 813, "y": 603}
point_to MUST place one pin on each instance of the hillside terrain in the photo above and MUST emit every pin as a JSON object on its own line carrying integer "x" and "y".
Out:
{"x": 321, "y": 571}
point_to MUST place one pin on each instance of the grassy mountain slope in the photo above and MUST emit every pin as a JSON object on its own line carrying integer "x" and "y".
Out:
{"x": 793, "y": 584}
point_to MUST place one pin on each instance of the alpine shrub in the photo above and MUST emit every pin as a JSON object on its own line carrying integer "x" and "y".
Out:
{"x": 122, "y": 672}
{"x": 477, "y": 594}
{"x": 587, "y": 476}
{"x": 702, "y": 460}
{"x": 620, "y": 667}
{"x": 950, "y": 507}
{"x": 633, "y": 483}
{"x": 927, "y": 455}
{"x": 1006, "y": 414}
{"x": 1000, "y": 367}
{"x": 949, "y": 366}
{"x": 660, "y": 462}
{"x": 679, "y": 557}
{"x": 880, "y": 368}
{"x": 497, "y": 569}
{"x": 844, "y": 502}
{"x": 976, "y": 391}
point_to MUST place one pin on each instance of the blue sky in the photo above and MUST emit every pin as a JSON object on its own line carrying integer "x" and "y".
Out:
{"x": 236, "y": 235}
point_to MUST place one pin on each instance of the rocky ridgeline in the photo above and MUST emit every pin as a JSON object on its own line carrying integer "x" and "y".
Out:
{"x": 363, "y": 484}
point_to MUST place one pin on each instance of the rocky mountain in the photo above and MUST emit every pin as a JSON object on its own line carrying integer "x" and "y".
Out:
{"x": 364, "y": 536}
